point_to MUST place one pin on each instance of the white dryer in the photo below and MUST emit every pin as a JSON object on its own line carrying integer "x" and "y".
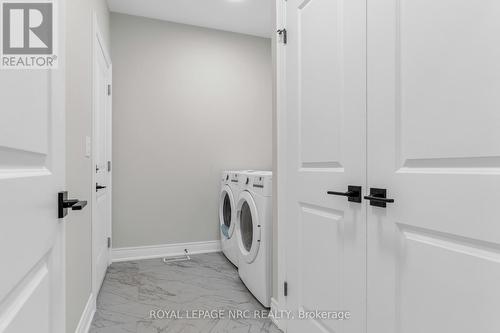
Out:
{"x": 254, "y": 233}
{"x": 230, "y": 189}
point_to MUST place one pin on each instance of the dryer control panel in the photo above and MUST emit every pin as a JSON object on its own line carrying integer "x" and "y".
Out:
{"x": 235, "y": 177}
{"x": 258, "y": 182}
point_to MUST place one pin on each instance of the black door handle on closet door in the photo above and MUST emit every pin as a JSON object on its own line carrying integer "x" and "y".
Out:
{"x": 386, "y": 200}
{"x": 353, "y": 193}
{"x": 99, "y": 187}
{"x": 79, "y": 205}
{"x": 378, "y": 197}
{"x": 64, "y": 204}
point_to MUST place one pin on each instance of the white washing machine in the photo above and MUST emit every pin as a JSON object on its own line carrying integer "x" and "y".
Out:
{"x": 254, "y": 233}
{"x": 230, "y": 189}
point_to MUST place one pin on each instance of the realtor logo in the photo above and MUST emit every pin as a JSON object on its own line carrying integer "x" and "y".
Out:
{"x": 28, "y": 35}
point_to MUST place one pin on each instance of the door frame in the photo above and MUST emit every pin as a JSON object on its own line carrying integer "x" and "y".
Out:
{"x": 99, "y": 45}
{"x": 58, "y": 79}
{"x": 281, "y": 158}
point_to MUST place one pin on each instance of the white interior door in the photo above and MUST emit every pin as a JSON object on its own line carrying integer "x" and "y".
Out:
{"x": 101, "y": 220}
{"x": 434, "y": 144}
{"x": 31, "y": 174}
{"x": 325, "y": 69}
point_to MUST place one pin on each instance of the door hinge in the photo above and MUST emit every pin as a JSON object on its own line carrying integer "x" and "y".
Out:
{"x": 109, "y": 166}
{"x": 284, "y": 35}
{"x": 285, "y": 288}
{"x": 109, "y": 90}
{"x": 109, "y": 242}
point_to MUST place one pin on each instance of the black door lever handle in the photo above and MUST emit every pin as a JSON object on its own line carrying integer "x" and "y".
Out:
{"x": 99, "y": 187}
{"x": 372, "y": 198}
{"x": 353, "y": 193}
{"x": 64, "y": 204}
{"x": 79, "y": 205}
{"x": 378, "y": 197}
{"x": 68, "y": 203}
{"x": 344, "y": 194}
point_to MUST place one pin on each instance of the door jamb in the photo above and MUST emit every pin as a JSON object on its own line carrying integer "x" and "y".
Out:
{"x": 58, "y": 79}
{"x": 98, "y": 43}
{"x": 280, "y": 157}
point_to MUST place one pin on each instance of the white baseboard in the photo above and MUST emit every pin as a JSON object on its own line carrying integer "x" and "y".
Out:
{"x": 87, "y": 316}
{"x": 166, "y": 250}
{"x": 275, "y": 308}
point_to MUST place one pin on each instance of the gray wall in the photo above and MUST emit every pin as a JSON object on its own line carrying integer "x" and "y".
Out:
{"x": 188, "y": 102}
{"x": 79, "y": 169}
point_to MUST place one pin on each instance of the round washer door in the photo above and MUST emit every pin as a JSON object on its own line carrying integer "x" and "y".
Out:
{"x": 227, "y": 211}
{"x": 248, "y": 227}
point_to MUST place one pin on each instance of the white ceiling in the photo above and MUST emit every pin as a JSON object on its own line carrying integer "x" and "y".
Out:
{"x": 252, "y": 17}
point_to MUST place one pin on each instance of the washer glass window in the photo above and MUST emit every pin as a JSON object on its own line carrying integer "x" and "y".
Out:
{"x": 226, "y": 210}
{"x": 246, "y": 225}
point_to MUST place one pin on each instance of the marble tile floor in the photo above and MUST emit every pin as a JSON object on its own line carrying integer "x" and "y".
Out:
{"x": 131, "y": 290}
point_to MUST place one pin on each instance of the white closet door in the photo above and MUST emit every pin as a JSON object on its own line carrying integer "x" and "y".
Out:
{"x": 434, "y": 144}
{"x": 326, "y": 234}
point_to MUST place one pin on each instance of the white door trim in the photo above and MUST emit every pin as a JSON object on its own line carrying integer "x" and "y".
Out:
{"x": 281, "y": 159}
{"x": 98, "y": 43}
{"x": 58, "y": 78}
